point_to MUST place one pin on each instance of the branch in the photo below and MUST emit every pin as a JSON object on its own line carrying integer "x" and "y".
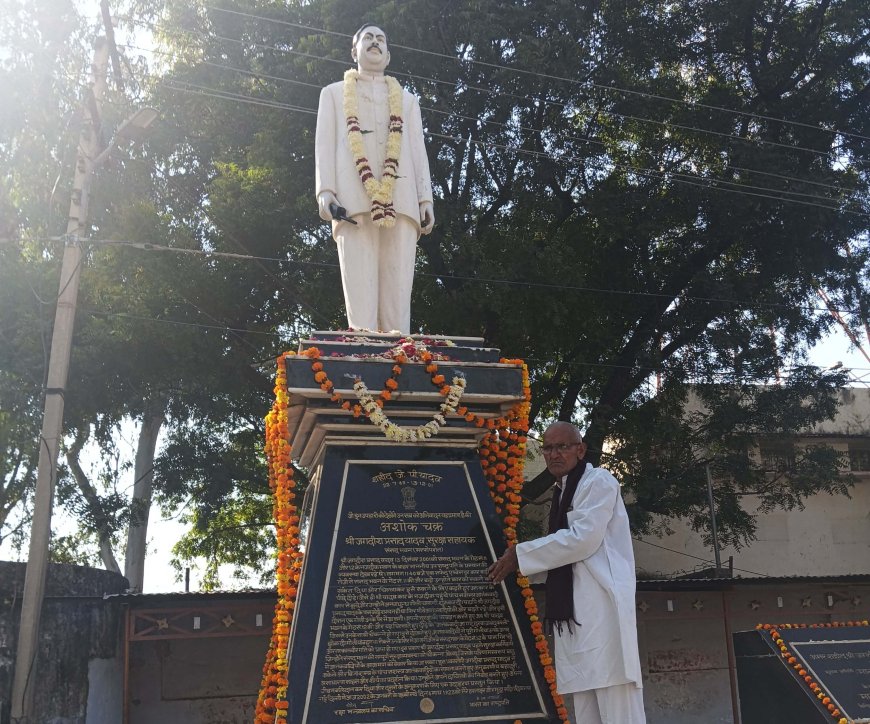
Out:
{"x": 103, "y": 522}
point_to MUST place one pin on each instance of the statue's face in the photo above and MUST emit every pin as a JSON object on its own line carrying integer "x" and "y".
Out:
{"x": 370, "y": 50}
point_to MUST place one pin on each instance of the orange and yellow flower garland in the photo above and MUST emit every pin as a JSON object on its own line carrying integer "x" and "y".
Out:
{"x": 373, "y": 409}
{"x": 272, "y": 700}
{"x": 792, "y": 660}
{"x": 502, "y": 456}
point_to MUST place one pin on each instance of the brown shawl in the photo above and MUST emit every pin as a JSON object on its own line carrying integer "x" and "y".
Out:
{"x": 560, "y": 581}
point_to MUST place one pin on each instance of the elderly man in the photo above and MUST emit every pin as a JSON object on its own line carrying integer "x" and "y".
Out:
{"x": 372, "y": 183}
{"x": 590, "y": 584}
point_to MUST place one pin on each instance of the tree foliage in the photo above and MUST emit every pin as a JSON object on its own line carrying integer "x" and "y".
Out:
{"x": 624, "y": 193}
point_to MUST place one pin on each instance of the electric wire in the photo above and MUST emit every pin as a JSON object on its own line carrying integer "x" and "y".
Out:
{"x": 676, "y": 177}
{"x": 416, "y": 77}
{"x": 524, "y": 71}
{"x": 453, "y": 114}
{"x": 277, "y": 336}
{"x": 147, "y": 246}
{"x": 215, "y": 217}
{"x": 703, "y": 560}
{"x": 277, "y": 104}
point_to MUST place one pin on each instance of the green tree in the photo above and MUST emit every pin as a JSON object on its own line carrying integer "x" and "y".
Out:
{"x": 623, "y": 192}
{"x": 160, "y": 337}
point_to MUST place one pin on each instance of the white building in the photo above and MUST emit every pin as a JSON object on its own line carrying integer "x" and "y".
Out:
{"x": 829, "y": 536}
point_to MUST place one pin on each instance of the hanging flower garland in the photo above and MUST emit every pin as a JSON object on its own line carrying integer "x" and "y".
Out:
{"x": 272, "y": 699}
{"x": 373, "y": 408}
{"x": 793, "y": 661}
{"x": 502, "y": 456}
{"x": 394, "y": 432}
{"x": 380, "y": 192}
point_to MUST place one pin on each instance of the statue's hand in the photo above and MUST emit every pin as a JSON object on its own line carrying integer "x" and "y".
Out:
{"x": 427, "y": 217}
{"x": 324, "y": 199}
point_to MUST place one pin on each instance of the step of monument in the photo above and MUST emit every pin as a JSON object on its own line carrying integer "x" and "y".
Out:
{"x": 311, "y": 419}
{"x": 308, "y": 448}
{"x": 485, "y": 381}
{"x": 369, "y": 344}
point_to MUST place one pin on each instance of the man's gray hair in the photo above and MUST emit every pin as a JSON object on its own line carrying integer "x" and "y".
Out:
{"x": 560, "y": 424}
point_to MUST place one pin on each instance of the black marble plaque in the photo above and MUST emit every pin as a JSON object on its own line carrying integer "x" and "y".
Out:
{"x": 395, "y": 621}
{"x": 839, "y": 660}
{"x": 772, "y": 692}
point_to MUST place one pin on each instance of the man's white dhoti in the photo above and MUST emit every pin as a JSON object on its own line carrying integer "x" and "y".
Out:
{"x": 621, "y": 704}
{"x": 377, "y": 272}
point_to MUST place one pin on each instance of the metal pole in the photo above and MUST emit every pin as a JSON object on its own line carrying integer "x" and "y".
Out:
{"x": 713, "y": 520}
{"x": 25, "y": 681}
{"x": 732, "y": 660}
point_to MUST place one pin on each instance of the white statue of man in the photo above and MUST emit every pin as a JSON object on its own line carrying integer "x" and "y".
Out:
{"x": 372, "y": 183}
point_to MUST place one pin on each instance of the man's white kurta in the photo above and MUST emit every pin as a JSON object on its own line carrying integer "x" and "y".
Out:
{"x": 603, "y": 650}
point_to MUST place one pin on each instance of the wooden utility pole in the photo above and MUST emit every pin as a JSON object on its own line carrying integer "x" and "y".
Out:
{"x": 25, "y": 681}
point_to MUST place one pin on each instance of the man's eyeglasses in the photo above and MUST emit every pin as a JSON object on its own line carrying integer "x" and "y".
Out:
{"x": 562, "y": 447}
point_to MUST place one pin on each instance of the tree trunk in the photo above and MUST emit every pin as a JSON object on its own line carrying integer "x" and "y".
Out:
{"x": 104, "y": 528}
{"x": 137, "y": 535}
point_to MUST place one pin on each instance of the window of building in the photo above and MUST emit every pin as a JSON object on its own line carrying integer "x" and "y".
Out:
{"x": 859, "y": 458}
{"x": 777, "y": 458}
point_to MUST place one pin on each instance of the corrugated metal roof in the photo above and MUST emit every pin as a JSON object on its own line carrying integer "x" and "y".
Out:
{"x": 688, "y": 584}
{"x": 193, "y": 595}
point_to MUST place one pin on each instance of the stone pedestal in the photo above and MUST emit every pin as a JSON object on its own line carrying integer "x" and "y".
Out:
{"x": 394, "y": 620}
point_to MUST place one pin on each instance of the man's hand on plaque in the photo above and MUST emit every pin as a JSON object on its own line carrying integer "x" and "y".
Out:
{"x": 504, "y": 566}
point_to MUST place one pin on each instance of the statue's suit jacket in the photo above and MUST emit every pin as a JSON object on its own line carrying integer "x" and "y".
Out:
{"x": 334, "y": 165}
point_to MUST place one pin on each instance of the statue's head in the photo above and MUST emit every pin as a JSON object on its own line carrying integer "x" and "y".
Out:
{"x": 369, "y": 49}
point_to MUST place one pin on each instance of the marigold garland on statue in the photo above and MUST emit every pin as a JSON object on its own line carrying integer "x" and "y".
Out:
{"x": 502, "y": 456}
{"x": 380, "y": 192}
{"x": 392, "y": 431}
{"x": 373, "y": 409}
